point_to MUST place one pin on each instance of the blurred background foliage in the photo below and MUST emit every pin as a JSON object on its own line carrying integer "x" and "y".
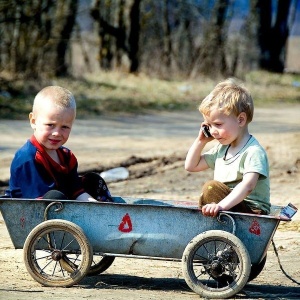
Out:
{"x": 137, "y": 55}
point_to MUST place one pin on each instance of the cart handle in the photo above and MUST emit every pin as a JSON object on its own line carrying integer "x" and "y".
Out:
{"x": 59, "y": 207}
{"x": 221, "y": 214}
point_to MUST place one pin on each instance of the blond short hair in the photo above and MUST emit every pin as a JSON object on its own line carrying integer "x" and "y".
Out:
{"x": 229, "y": 97}
{"x": 60, "y": 97}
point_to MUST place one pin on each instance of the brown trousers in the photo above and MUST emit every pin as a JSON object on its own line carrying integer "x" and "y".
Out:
{"x": 215, "y": 191}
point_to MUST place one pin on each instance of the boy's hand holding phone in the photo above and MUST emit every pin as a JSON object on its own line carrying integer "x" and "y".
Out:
{"x": 205, "y": 130}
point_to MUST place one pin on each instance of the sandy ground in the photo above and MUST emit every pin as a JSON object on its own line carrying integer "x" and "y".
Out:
{"x": 153, "y": 148}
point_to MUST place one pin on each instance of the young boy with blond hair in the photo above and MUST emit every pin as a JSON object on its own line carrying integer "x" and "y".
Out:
{"x": 43, "y": 167}
{"x": 241, "y": 170}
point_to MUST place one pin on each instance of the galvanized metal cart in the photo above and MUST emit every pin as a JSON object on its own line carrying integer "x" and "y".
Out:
{"x": 64, "y": 241}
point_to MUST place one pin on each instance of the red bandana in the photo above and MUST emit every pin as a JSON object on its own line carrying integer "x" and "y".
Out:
{"x": 66, "y": 158}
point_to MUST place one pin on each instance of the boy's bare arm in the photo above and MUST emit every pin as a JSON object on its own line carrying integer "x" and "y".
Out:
{"x": 194, "y": 161}
{"x": 237, "y": 195}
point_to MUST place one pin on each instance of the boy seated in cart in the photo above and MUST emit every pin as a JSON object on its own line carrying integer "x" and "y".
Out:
{"x": 241, "y": 170}
{"x": 43, "y": 167}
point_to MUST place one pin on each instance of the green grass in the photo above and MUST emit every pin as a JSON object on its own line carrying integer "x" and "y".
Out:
{"x": 111, "y": 93}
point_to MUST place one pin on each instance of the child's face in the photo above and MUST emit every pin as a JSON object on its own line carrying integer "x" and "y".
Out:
{"x": 52, "y": 125}
{"x": 224, "y": 128}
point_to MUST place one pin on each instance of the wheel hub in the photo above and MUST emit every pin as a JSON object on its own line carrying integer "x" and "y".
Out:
{"x": 56, "y": 255}
{"x": 216, "y": 269}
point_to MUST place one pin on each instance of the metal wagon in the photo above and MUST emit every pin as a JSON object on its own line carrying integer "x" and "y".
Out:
{"x": 64, "y": 240}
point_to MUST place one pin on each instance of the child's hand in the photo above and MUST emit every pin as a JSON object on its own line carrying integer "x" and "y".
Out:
{"x": 204, "y": 133}
{"x": 211, "y": 209}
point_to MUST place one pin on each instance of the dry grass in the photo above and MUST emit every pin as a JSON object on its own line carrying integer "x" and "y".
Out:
{"x": 293, "y": 53}
{"x": 115, "y": 92}
{"x": 271, "y": 88}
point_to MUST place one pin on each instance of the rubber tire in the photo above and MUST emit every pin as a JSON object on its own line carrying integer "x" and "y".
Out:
{"x": 195, "y": 283}
{"x": 32, "y": 266}
{"x": 257, "y": 268}
{"x": 101, "y": 266}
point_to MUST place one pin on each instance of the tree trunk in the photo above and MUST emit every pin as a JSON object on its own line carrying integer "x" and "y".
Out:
{"x": 134, "y": 36}
{"x": 167, "y": 36}
{"x": 107, "y": 31}
{"x": 66, "y": 16}
{"x": 106, "y": 53}
{"x": 272, "y": 39}
{"x": 120, "y": 33}
{"x": 211, "y": 59}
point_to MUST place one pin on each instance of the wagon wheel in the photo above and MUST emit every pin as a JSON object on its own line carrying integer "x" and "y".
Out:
{"x": 257, "y": 268}
{"x": 51, "y": 251}
{"x": 100, "y": 264}
{"x": 216, "y": 264}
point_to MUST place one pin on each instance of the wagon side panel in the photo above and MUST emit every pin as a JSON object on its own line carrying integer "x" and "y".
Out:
{"x": 20, "y": 217}
{"x": 256, "y": 233}
{"x": 155, "y": 231}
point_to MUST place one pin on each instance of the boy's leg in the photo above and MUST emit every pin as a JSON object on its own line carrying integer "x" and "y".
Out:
{"x": 213, "y": 191}
{"x": 95, "y": 185}
{"x": 54, "y": 194}
{"x": 244, "y": 208}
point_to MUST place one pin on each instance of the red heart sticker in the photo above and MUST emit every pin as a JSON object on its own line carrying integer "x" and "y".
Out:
{"x": 255, "y": 227}
{"x": 125, "y": 225}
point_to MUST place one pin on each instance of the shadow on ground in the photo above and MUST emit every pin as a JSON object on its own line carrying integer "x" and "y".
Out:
{"x": 250, "y": 291}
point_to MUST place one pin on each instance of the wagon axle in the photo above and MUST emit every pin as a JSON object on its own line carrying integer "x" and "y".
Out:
{"x": 219, "y": 262}
{"x": 216, "y": 268}
{"x": 56, "y": 255}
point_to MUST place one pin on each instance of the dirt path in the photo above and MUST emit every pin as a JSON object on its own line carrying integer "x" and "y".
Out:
{"x": 158, "y": 143}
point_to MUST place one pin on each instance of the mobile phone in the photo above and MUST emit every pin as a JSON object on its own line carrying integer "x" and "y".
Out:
{"x": 205, "y": 130}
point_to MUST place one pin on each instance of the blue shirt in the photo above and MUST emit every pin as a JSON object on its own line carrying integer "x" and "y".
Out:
{"x": 34, "y": 172}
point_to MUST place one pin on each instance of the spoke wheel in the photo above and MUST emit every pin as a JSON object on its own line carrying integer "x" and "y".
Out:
{"x": 216, "y": 264}
{"x": 100, "y": 264}
{"x": 57, "y": 253}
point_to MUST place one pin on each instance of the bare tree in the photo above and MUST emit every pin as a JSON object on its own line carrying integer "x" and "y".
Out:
{"x": 25, "y": 32}
{"x": 35, "y": 36}
{"x": 185, "y": 37}
{"x": 126, "y": 35}
{"x": 211, "y": 58}
{"x": 63, "y": 27}
{"x": 168, "y": 35}
{"x": 272, "y": 36}
{"x": 134, "y": 36}
{"x": 168, "y": 47}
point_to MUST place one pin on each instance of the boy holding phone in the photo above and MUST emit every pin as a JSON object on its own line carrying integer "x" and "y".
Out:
{"x": 241, "y": 170}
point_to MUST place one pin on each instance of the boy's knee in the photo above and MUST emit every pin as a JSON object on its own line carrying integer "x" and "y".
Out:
{"x": 54, "y": 194}
{"x": 96, "y": 186}
{"x": 213, "y": 191}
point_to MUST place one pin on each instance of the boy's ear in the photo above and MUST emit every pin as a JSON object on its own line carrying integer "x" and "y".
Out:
{"x": 242, "y": 119}
{"x": 32, "y": 120}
